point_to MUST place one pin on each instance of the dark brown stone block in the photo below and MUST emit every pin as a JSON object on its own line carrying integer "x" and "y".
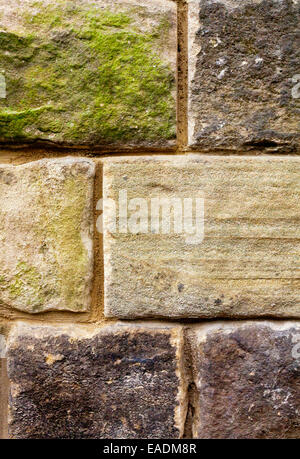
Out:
{"x": 244, "y": 74}
{"x": 247, "y": 379}
{"x": 121, "y": 381}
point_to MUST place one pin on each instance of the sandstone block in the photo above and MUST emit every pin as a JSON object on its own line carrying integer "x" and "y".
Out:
{"x": 247, "y": 379}
{"x": 121, "y": 381}
{"x": 88, "y": 72}
{"x": 244, "y": 75}
{"x": 46, "y": 231}
{"x": 246, "y": 263}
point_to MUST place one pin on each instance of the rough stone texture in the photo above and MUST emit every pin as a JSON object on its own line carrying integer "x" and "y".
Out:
{"x": 243, "y": 56}
{"x": 46, "y": 232}
{"x": 88, "y": 72}
{"x": 121, "y": 381}
{"x": 247, "y": 379}
{"x": 246, "y": 266}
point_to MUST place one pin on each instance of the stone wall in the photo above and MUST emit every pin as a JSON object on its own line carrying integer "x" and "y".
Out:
{"x": 121, "y": 317}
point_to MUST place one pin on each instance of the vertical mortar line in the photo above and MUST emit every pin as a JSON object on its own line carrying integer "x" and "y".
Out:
{"x": 97, "y": 310}
{"x": 182, "y": 74}
{"x": 191, "y": 389}
{"x": 3, "y": 399}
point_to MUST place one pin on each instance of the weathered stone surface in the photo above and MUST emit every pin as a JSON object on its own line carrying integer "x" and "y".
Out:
{"x": 247, "y": 379}
{"x": 88, "y": 72}
{"x": 244, "y": 74}
{"x": 246, "y": 266}
{"x": 46, "y": 233}
{"x": 121, "y": 381}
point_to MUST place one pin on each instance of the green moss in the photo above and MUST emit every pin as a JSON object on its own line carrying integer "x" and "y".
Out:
{"x": 59, "y": 227}
{"x": 12, "y": 123}
{"x": 50, "y": 16}
{"x": 134, "y": 87}
{"x": 86, "y": 76}
{"x": 71, "y": 254}
{"x": 63, "y": 256}
{"x": 12, "y": 42}
{"x": 27, "y": 283}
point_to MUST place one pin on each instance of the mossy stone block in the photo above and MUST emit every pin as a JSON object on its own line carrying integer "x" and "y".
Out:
{"x": 46, "y": 231}
{"x": 91, "y": 73}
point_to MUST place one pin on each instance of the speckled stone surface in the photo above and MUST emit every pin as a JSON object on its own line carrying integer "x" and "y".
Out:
{"x": 244, "y": 75}
{"x": 247, "y": 378}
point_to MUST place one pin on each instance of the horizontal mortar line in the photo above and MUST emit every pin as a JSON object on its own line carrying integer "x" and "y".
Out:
{"x": 244, "y": 151}
{"x": 183, "y": 321}
{"x": 218, "y": 238}
{"x": 87, "y": 149}
{"x": 254, "y": 238}
{"x": 250, "y": 278}
{"x": 137, "y": 151}
{"x": 109, "y": 321}
{"x": 252, "y": 221}
{"x": 48, "y": 154}
{"x": 213, "y": 238}
{"x": 195, "y": 319}
{"x": 62, "y": 319}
